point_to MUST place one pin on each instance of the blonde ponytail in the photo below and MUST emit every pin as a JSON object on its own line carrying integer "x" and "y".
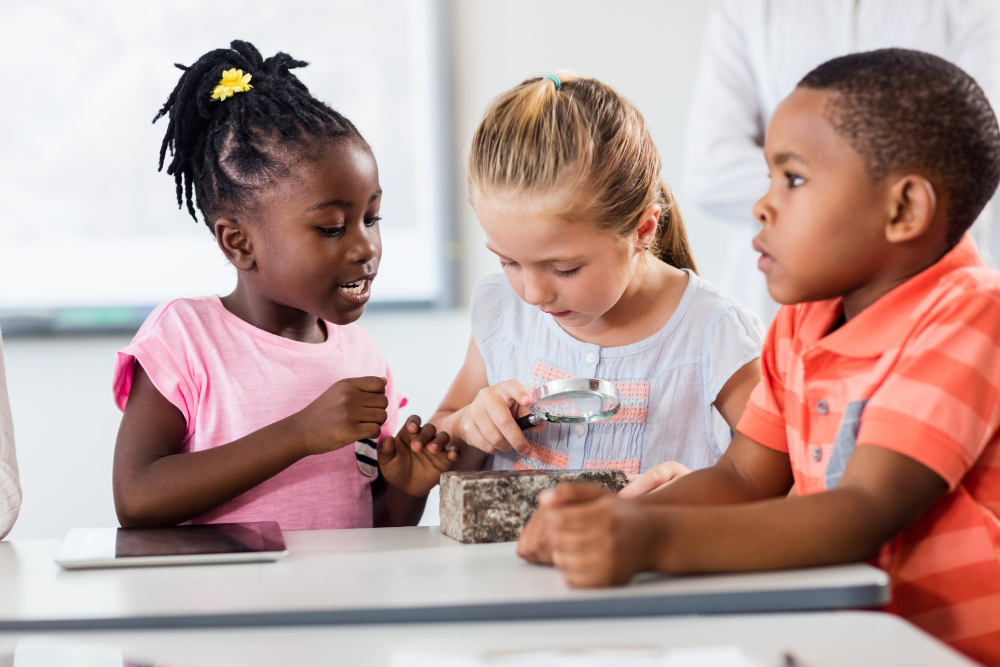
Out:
{"x": 671, "y": 244}
{"x": 579, "y": 136}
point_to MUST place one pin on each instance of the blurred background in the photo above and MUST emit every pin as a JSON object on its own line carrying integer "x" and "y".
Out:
{"x": 91, "y": 238}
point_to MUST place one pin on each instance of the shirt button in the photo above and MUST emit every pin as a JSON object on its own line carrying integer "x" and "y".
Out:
{"x": 817, "y": 454}
{"x": 580, "y": 429}
{"x": 822, "y": 408}
{"x": 591, "y": 358}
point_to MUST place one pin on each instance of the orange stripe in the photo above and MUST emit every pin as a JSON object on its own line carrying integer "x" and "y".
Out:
{"x": 944, "y": 589}
{"x": 947, "y": 550}
{"x": 959, "y": 380}
{"x": 934, "y": 406}
{"x": 962, "y": 620}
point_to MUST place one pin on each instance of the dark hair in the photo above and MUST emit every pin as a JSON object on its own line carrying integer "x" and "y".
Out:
{"x": 909, "y": 110}
{"x": 225, "y": 150}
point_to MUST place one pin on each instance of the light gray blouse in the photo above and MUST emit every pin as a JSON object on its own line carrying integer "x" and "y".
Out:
{"x": 668, "y": 381}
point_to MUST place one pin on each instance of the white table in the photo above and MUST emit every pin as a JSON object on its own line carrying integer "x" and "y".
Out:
{"x": 385, "y": 575}
{"x": 816, "y": 639}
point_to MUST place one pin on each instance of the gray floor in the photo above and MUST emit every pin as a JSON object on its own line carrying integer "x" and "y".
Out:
{"x": 65, "y": 421}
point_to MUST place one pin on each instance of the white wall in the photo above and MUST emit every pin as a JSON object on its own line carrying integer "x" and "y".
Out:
{"x": 647, "y": 49}
{"x": 65, "y": 422}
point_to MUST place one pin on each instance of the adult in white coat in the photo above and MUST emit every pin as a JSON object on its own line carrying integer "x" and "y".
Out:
{"x": 756, "y": 51}
{"x": 10, "y": 486}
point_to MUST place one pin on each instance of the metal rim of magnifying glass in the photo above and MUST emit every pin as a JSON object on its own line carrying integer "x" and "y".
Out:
{"x": 598, "y": 388}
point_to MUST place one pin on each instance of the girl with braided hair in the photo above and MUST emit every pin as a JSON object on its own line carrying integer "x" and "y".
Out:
{"x": 267, "y": 403}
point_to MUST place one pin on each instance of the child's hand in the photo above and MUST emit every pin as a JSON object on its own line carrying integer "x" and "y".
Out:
{"x": 595, "y": 538}
{"x": 350, "y": 410}
{"x": 488, "y": 423}
{"x": 654, "y": 479}
{"x": 414, "y": 459}
{"x": 533, "y": 543}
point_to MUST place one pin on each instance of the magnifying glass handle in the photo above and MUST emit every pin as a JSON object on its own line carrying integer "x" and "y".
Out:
{"x": 527, "y": 421}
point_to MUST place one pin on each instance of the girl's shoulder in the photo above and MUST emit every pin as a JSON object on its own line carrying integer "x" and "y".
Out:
{"x": 489, "y": 291}
{"x": 182, "y": 315}
{"x": 710, "y": 308}
{"x": 492, "y": 305}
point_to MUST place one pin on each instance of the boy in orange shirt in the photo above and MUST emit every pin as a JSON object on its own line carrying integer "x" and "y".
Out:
{"x": 880, "y": 389}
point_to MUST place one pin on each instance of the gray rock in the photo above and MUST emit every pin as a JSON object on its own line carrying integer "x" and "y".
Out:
{"x": 494, "y": 505}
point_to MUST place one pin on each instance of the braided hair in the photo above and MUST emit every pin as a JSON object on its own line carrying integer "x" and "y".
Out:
{"x": 222, "y": 151}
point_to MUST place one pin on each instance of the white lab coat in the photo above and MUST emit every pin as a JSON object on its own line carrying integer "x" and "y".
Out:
{"x": 10, "y": 485}
{"x": 756, "y": 51}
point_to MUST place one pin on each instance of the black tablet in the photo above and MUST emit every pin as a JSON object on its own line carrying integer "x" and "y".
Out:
{"x": 178, "y": 545}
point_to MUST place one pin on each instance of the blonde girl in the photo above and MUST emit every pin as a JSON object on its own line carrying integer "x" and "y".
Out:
{"x": 598, "y": 281}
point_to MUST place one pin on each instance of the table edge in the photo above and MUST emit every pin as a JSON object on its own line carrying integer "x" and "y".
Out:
{"x": 791, "y": 600}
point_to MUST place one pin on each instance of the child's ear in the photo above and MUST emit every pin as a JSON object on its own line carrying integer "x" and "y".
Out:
{"x": 913, "y": 205}
{"x": 646, "y": 229}
{"x": 233, "y": 241}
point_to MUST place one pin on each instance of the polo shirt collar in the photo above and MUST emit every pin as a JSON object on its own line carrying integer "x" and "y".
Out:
{"x": 884, "y": 324}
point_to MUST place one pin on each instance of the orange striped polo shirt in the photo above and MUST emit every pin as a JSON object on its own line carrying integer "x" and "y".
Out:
{"x": 917, "y": 372}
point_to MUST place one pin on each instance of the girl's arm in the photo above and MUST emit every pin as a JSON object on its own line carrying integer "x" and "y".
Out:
{"x": 410, "y": 465}
{"x": 392, "y": 507}
{"x": 733, "y": 397}
{"x": 157, "y": 485}
{"x": 476, "y": 414}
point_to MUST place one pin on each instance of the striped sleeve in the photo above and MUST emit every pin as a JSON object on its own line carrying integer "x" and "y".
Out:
{"x": 764, "y": 418}
{"x": 939, "y": 404}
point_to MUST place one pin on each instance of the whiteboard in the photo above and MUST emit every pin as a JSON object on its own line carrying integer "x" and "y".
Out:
{"x": 88, "y": 226}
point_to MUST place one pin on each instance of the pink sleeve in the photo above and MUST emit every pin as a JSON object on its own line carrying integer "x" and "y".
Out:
{"x": 169, "y": 375}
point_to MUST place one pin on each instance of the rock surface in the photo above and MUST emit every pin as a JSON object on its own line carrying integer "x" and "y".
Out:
{"x": 494, "y": 505}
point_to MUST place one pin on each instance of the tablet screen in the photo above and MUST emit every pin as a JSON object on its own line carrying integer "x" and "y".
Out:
{"x": 177, "y": 545}
{"x": 218, "y": 538}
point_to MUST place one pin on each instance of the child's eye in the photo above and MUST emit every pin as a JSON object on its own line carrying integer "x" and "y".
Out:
{"x": 794, "y": 180}
{"x": 504, "y": 265}
{"x": 564, "y": 274}
{"x": 331, "y": 231}
{"x": 369, "y": 222}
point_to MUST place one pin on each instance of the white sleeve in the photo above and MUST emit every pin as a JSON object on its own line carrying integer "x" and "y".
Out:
{"x": 976, "y": 49}
{"x": 725, "y": 169}
{"x": 733, "y": 338}
{"x": 10, "y": 485}
{"x": 487, "y": 312}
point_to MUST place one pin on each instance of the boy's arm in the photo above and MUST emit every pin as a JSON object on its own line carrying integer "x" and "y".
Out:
{"x": 748, "y": 471}
{"x": 597, "y": 539}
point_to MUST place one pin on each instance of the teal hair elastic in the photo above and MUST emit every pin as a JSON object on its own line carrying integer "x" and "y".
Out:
{"x": 554, "y": 79}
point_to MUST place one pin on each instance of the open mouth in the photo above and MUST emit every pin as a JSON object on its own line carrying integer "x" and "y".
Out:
{"x": 358, "y": 291}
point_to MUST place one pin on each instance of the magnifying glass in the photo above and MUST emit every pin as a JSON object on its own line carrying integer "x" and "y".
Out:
{"x": 572, "y": 401}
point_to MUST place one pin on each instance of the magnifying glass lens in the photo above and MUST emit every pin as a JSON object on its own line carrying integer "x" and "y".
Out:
{"x": 572, "y": 400}
{"x": 575, "y": 404}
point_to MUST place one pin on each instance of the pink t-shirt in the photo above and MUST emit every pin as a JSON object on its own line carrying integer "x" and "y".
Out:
{"x": 229, "y": 378}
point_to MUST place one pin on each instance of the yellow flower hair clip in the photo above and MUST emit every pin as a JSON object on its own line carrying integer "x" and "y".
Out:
{"x": 233, "y": 81}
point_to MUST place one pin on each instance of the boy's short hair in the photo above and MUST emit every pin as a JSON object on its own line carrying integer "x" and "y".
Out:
{"x": 909, "y": 110}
